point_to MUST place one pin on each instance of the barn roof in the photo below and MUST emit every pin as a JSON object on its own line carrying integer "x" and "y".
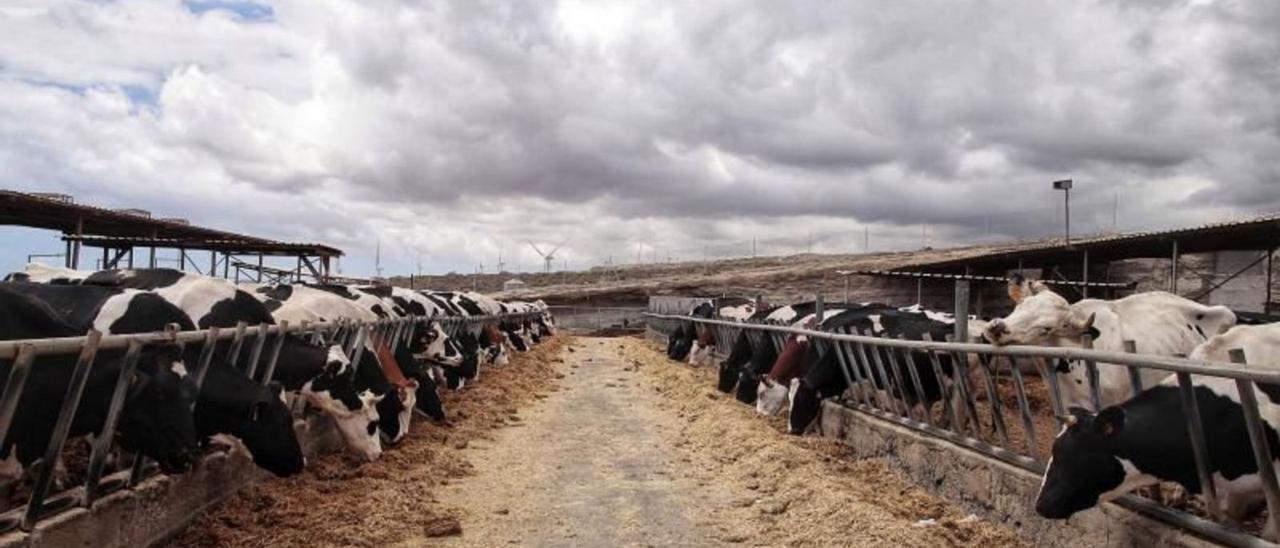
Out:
{"x": 122, "y": 227}
{"x": 1253, "y": 234}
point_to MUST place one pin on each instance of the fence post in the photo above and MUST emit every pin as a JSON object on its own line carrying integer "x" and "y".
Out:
{"x": 1191, "y": 407}
{"x": 1135, "y": 379}
{"x": 1257, "y": 437}
{"x": 275, "y": 352}
{"x": 962, "y": 311}
{"x": 70, "y": 403}
{"x": 102, "y": 443}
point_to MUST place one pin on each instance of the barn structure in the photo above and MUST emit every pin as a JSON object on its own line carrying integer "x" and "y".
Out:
{"x": 118, "y": 233}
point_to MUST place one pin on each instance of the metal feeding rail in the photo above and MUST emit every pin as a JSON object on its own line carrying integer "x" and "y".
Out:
{"x": 864, "y": 358}
{"x": 24, "y": 355}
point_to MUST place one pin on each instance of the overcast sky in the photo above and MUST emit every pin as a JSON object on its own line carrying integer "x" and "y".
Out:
{"x": 452, "y": 130}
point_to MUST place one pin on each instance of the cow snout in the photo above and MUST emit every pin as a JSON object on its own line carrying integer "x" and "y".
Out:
{"x": 995, "y": 331}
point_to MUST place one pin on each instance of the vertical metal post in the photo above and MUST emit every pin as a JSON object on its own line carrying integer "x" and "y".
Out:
{"x": 260, "y": 340}
{"x": 921, "y": 398}
{"x": 102, "y": 442}
{"x": 993, "y": 397}
{"x": 919, "y": 290}
{"x": 818, "y": 311}
{"x": 1266, "y": 307}
{"x": 13, "y": 387}
{"x": 206, "y": 356}
{"x": 357, "y": 347}
{"x": 1091, "y": 376}
{"x": 259, "y": 268}
{"x": 75, "y": 246}
{"x": 846, "y": 289}
{"x": 1028, "y": 425}
{"x": 1084, "y": 275}
{"x": 1173, "y": 270}
{"x": 182, "y": 259}
{"x": 1135, "y": 378}
{"x": 962, "y": 311}
{"x": 1195, "y": 428}
{"x": 1257, "y": 437}
{"x": 70, "y": 402}
{"x": 233, "y": 356}
{"x": 275, "y": 352}
{"x": 151, "y": 257}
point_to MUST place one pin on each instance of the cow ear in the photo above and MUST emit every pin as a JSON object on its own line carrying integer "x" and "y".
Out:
{"x": 1037, "y": 287}
{"x": 1109, "y": 422}
{"x": 1017, "y": 288}
{"x": 1086, "y": 327}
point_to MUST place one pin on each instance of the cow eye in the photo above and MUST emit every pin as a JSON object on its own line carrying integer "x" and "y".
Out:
{"x": 373, "y": 428}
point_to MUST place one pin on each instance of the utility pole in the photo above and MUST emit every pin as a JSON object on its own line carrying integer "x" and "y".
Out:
{"x": 1065, "y": 186}
{"x": 866, "y": 239}
{"x": 377, "y": 258}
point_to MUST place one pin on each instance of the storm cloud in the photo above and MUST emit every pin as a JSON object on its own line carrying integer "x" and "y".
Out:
{"x": 452, "y": 131}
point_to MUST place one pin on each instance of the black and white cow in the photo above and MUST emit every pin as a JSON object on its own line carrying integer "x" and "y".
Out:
{"x": 377, "y": 367}
{"x": 823, "y": 378}
{"x": 681, "y": 342}
{"x": 751, "y": 362}
{"x": 705, "y": 343}
{"x": 44, "y": 274}
{"x": 1097, "y": 457}
{"x": 322, "y": 376}
{"x": 1162, "y": 324}
{"x": 231, "y": 404}
{"x": 156, "y": 420}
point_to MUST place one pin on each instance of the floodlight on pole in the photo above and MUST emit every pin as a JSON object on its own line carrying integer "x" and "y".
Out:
{"x": 1065, "y": 186}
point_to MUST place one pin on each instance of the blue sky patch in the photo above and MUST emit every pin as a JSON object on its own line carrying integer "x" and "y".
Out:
{"x": 244, "y": 10}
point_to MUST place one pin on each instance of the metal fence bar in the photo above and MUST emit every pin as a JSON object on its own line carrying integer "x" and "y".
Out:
{"x": 233, "y": 355}
{"x": 1091, "y": 376}
{"x": 259, "y": 342}
{"x": 1258, "y": 438}
{"x": 13, "y": 387}
{"x": 1028, "y": 424}
{"x": 1135, "y": 377}
{"x": 103, "y": 441}
{"x": 921, "y": 399}
{"x": 275, "y": 353}
{"x": 993, "y": 398}
{"x": 949, "y": 410}
{"x": 1191, "y": 407}
{"x": 58, "y": 438}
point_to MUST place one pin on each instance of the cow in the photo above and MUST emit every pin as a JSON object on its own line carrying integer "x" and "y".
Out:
{"x": 773, "y": 387}
{"x": 680, "y": 343}
{"x": 378, "y": 371}
{"x": 1161, "y": 324}
{"x": 823, "y": 378}
{"x": 38, "y": 273}
{"x": 228, "y": 401}
{"x": 322, "y": 376}
{"x": 156, "y": 419}
{"x": 705, "y": 343}
{"x": 1144, "y": 440}
{"x": 753, "y": 361}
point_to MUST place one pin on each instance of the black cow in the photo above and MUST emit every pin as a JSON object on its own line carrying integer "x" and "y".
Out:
{"x": 1145, "y": 439}
{"x": 233, "y": 404}
{"x": 156, "y": 420}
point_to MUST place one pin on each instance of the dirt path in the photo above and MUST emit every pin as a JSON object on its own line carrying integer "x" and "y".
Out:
{"x": 638, "y": 451}
{"x": 595, "y": 442}
{"x": 585, "y": 469}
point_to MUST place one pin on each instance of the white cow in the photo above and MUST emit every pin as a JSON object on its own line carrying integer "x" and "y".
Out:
{"x": 1161, "y": 324}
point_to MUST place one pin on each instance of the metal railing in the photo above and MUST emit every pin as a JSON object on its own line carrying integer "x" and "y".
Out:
{"x": 40, "y": 504}
{"x": 867, "y": 361}
{"x": 599, "y": 317}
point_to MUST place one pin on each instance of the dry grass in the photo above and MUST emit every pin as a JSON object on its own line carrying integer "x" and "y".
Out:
{"x": 805, "y": 491}
{"x": 337, "y": 502}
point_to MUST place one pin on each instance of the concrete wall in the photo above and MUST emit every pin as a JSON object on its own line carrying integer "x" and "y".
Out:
{"x": 162, "y": 506}
{"x": 997, "y": 491}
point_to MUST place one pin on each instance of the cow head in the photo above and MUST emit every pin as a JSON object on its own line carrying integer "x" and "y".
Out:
{"x": 1084, "y": 468}
{"x": 428, "y": 400}
{"x": 1040, "y": 317}
{"x": 728, "y": 377}
{"x": 157, "y": 419}
{"x": 355, "y": 413}
{"x": 395, "y": 410}
{"x": 771, "y": 396}
{"x": 268, "y": 433}
{"x": 805, "y": 404}
{"x": 432, "y": 344}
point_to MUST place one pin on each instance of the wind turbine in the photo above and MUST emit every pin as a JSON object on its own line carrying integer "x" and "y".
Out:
{"x": 547, "y": 258}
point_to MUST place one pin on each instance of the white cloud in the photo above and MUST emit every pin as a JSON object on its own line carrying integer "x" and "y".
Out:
{"x": 452, "y": 130}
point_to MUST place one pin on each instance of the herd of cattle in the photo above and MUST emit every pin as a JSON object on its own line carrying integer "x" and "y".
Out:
{"x": 167, "y": 419}
{"x": 1132, "y": 442}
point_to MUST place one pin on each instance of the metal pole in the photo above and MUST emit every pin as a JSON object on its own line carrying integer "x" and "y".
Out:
{"x": 1173, "y": 270}
{"x": 1257, "y": 437}
{"x": 962, "y": 311}
{"x": 919, "y": 289}
{"x": 1084, "y": 275}
{"x": 75, "y": 247}
{"x": 1199, "y": 451}
{"x": 846, "y": 288}
{"x": 1266, "y": 307}
{"x": 1067, "y": 212}
{"x": 102, "y": 443}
